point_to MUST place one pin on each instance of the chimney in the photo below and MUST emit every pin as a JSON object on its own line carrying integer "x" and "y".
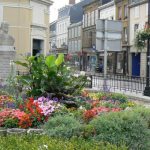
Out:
{"x": 72, "y": 2}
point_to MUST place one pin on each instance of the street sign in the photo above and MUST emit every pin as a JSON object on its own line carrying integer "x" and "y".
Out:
{"x": 112, "y": 32}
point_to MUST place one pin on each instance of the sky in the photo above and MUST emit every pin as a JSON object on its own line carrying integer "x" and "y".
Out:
{"x": 56, "y": 5}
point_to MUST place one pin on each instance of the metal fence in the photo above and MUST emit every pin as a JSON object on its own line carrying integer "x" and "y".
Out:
{"x": 117, "y": 83}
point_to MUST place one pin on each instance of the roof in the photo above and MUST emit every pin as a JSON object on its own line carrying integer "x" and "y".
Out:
{"x": 106, "y": 1}
{"x": 75, "y": 12}
{"x": 53, "y": 26}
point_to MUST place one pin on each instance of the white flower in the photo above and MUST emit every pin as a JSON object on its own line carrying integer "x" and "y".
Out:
{"x": 45, "y": 146}
{"x": 68, "y": 68}
{"x": 82, "y": 73}
{"x": 76, "y": 75}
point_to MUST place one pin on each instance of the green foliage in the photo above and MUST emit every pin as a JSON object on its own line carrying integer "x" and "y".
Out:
{"x": 11, "y": 123}
{"x": 120, "y": 97}
{"x": 141, "y": 39}
{"x": 49, "y": 75}
{"x": 64, "y": 126}
{"x": 37, "y": 142}
{"x": 128, "y": 127}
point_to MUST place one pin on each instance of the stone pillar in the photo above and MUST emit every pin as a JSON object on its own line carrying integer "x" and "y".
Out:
{"x": 7, "y": 56}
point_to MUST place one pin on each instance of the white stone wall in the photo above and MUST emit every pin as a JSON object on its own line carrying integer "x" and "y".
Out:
{"x": 138, "y": 15}
{"x": 143, "y": 65}
{"x": 38, "y": 15}
{"x": 1, "y": 13}
{"x": 108, "y": 13}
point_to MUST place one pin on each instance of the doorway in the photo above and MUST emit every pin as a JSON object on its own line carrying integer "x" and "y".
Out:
{"x": 136, "y": 64}
{"x": 38, "y": 47}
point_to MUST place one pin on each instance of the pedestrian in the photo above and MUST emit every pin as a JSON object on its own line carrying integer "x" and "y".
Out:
{"x": 101, "y": 68}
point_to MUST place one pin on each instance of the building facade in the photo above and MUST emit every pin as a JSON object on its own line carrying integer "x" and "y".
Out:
{"x": 53, "y": 36}
{"x": 107, "y": 10}
{"x": 90, "y": 16}
{"x": 75, "y": 43}
{"x": 122, "y": 14}
{"x": 29, "y": 24}
{"x": 138, "y": 18}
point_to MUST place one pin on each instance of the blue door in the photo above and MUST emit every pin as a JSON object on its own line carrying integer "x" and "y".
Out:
{"x": 136, "y": 64}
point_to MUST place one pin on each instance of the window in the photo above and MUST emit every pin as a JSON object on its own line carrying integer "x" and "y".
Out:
{"x": 83, "y": 21}
{"x": 76, "y": 31}
{"x": 136, "y": 11}
{"x": 125, "y": 34}
{"x": 69, "y": 46}
{"x": 79, "y": 45}
{"x": 89, "y": 19}
{"x": 69, "y": 33}
{"x": 136, "y": 27}
{"x": 76, "y": 45}
{"x": 126, "y": 11}
{"x": 92, "y": 18}
{"x": 99, "y": 14}
{"x": 72, "y": 32}
{"x": 86, "y": 20}
{"x": 96, "y": 15}
{"x": 119, "y": 13}
{"x": 146, "y": 5}
{"x": 79, "y": 31}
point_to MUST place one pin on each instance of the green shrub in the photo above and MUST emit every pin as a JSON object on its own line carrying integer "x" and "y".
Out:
{"x": 128, "y": 127}
{"x": 64, "y": 126}
{"x": 46, "y": 143}
{"x": 49, "y": 74}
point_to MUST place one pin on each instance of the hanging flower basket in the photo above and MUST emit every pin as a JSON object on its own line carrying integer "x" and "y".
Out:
{"x": 142, "y": 37}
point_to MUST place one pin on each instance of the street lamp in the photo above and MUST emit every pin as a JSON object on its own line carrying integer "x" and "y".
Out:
{"x": 147, "y": 88}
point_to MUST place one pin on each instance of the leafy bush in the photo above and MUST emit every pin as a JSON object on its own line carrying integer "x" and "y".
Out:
{"x": 129, "y": 127}
{"x": 49, "y": 75}
{"x": 46, "y": 143}
{"x": 64, "y": 126}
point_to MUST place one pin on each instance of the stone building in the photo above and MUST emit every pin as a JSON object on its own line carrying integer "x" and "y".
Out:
{"x": 75, "y": 43}
{"x": 29, "y": 24}
{"x": 107, "y": 10}
{"x": 68, "y": 15}
{"x": 122, "y": 13}
{"x": 90, "y": 16}
{"x": 138, "y": 18}
{"x": 53, "y": 36}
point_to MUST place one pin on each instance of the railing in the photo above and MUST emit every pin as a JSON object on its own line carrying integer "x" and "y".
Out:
{"x": 118, "y": 83}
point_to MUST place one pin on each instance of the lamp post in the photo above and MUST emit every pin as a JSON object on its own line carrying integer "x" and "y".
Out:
{"x": 147, "y": 88}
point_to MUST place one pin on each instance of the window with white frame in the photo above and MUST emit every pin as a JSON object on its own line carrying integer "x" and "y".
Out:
{"x": 89, "y": 19}
{"x": 76, "y": 45}
{"x": 96, "y": 15}
{"x": 126, "y": 11}
{"x": 79, "y": 45}
{"x": 69, "y": 33}
{"x": 120, "y": 13}
{"x": 92, "y": 18}
{"x": 69, "y": 46}
{"x": 83, "y": 21}
{"x": 79, "y": 31}
{"x": 146, "y": 8}
{"x": 137, "y": 12}
{"x": 125, "y": 34}
{"x": 72, "y": 32}
{"x": 86, "y": 20}
{"x": 136, "y": 27}
{"x": 72, "y": 45}
{"x": 76, "y": 31}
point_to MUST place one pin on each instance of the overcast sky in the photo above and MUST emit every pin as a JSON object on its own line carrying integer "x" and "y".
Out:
{"x": 54, "y": 8}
